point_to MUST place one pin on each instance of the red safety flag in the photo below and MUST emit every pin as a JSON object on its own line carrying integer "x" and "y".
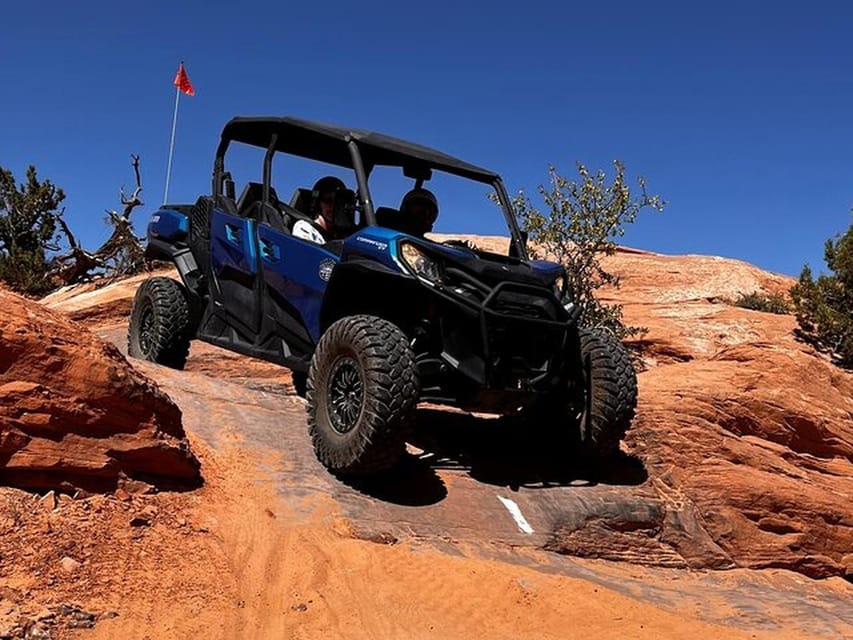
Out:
{"x": 182, "y": 81}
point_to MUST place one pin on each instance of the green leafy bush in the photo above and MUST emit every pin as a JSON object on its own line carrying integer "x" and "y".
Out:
{"x": 768, "y": 303}
{"x": 28, "y": 215}
{"x": 580, "y": 222}
{"x": 824, "y": 306}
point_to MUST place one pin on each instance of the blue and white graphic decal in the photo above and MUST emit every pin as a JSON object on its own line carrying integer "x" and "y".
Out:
{"x": 374, "y": 243}
{"x": 326, "y": 268}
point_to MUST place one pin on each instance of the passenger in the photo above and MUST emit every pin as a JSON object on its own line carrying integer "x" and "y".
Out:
{"x": 326, "y": 201}
{"x": 419, "y": 211}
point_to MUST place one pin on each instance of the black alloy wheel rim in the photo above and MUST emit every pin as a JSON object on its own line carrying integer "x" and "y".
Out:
{"x": 146, "y": 330}
{"x": 345, "y": 399}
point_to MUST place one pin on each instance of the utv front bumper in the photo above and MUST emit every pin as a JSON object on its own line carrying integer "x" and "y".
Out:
{"x": 499, "y": 346}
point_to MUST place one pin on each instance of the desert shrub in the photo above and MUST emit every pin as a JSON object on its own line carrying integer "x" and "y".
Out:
{"x": 28, "y": 214}
{"x": 580, "y": 221}
{"x": 768, "y": 303}
{"x": 824, "y": 306}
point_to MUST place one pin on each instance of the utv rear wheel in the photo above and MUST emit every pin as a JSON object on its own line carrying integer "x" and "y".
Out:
{"x": 160, "y": 323}
{"x": 362, "y": 395}
{"x": 609, "y": 400}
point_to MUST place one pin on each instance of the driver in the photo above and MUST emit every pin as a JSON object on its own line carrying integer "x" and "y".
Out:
{"x": 325, "y": 200}
{"x": 419, "y": 211}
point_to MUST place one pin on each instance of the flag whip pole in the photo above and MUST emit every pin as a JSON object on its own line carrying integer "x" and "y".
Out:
{"x": 172, "y": 144}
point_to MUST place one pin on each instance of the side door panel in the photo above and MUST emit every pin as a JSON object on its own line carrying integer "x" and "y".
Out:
{"x": 295, "y": 275}
{"x": 234, "y": 267}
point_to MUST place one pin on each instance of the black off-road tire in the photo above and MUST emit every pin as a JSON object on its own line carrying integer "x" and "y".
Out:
{"x": 160, "y": 323}
{"x": 362, "y": 394}
{"x": 611, "y": 392}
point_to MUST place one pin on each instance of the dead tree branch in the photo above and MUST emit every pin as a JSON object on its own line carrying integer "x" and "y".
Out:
{"x": 121, "y": 254}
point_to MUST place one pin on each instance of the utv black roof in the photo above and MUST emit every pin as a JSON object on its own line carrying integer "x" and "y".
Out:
{"x": 330, "y": 143}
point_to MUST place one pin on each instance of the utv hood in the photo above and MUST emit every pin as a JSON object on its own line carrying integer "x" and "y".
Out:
{"x": 493, "y": 268}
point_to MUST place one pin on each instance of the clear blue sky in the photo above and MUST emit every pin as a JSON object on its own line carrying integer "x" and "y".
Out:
{"x": 739, "y": 114}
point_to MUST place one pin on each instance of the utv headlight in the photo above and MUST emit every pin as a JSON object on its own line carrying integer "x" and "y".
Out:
{"x": 420, "y": 263}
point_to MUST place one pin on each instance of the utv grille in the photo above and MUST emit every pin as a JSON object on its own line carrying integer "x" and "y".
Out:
{"x": 524, "y": 306}
{"x": 509, "y": 299}
{"x": 523, "y": 302}
{"x": 523, "y": 331}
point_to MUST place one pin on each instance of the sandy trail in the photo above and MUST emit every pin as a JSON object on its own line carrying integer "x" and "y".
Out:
{"x": 252, "y": 566}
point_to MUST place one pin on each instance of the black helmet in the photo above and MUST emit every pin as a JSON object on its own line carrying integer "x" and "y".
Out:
{"x": 327, "y": 184}
{"x": 423, "y": 195}
{"x": 419, "y": 227}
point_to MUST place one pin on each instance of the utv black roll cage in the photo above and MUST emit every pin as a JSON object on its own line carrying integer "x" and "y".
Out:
{"x": 353, "y": 149}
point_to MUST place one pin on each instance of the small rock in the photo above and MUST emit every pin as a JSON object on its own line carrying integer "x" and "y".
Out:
{"x": 9, "y": 629}
{"x": 83, "y": 616}
{"x": 136, "y": 486}
{"x": 69, "y": 565}
{"x": 45, "y": 614}
{"x": 37, "y": 632}
{"x": 48, "y": 501}
{"x": 140, "y": 521}
{"x": 182, "y": 522}
{"x": 145, "y": 517}
{"x": 150, "y": 511}
{"x": 847, "y": 563}
{"x": 15, "y": 596}
{"x": 299, "y": 607}
{"x": 106, "y": 615}
{"x": 122, "y": 495}
{"x": 81, "y": 624}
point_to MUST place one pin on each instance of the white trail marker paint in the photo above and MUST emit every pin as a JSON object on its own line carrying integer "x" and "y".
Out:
{"x": 516, "y": 514}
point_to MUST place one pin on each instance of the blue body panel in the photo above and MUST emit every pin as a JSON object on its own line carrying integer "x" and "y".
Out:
{"x": 374, "y": 243}
{"x": 232, "y": 243}
{"x": 297, "y": 270}
{"x": 546, "y": 268}
{"x": 292, "y": 267}
{"x": 168, "y": 225}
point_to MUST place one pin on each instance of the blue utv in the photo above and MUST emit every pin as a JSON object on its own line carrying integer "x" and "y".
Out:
{"x": 376, "y": 322}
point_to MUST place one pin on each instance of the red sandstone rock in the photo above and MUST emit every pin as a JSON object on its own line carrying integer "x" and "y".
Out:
{"x": 73, "y": 412}
{"x": 746, "y": 434}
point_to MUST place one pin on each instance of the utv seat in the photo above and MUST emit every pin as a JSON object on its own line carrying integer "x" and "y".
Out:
{"x": 387, "y": 217}
{"x": 396, "y": 220}
{"x": 301, "y": 201}
{"x": 274, "y": 213}
{"x": 253, "y": 192}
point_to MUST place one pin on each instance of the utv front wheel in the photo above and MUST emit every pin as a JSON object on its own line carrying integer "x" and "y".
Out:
{"x": 160, "y": 323}
{"x": 609, "y": 397}
{"x": 362, "y": 395}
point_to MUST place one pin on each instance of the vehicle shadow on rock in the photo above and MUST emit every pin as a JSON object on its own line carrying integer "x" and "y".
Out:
{"x": 413, "y": 482}
{"x": 501, "y": 452}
